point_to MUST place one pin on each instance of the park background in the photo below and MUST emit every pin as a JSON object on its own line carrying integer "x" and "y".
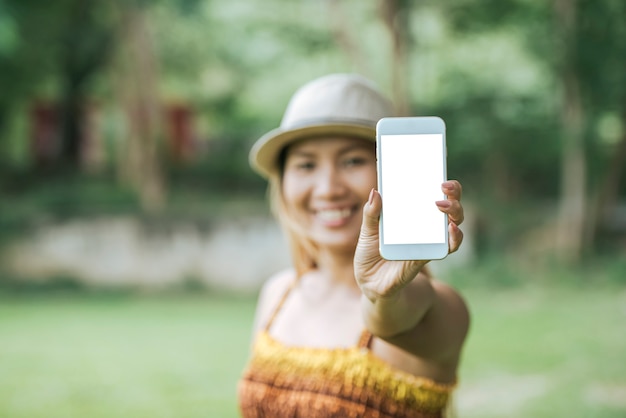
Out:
{"x": 134, "y": 237}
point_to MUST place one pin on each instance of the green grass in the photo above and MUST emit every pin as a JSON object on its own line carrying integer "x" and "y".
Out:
{"x": 545, "y": 352}
{"x": 535, "y": 351}
{"x": 85, "y": 356}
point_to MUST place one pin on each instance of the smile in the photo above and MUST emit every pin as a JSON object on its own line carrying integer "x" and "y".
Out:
{"x": 334, "y": 215}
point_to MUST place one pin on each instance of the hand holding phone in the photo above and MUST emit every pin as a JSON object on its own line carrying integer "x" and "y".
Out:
{"x": 411, "y": 163}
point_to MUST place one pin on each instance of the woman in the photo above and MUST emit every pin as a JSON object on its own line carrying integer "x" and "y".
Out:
{"x": 346, "y": 333}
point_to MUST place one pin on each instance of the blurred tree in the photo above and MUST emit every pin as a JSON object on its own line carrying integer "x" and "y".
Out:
{"x": 489, "y": 80}
{"x": 396, "y": 15}
{"x": 26, "y": 55}
{"x": 592, "y": 43}
{"x": 136, "y": 75}
{"x": 601, "y": 38}
{"x": 541, "y": 141}
{"x": 85, "y": 47}
{"x": 344, "y": 35}
{"x": 54, "y": 49}
{"x": 573, "y": 198}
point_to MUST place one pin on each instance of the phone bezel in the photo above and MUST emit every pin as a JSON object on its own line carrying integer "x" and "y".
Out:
{"x": 400, "y": 126}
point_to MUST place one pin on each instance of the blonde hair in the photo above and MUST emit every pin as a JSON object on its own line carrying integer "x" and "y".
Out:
{"x": 303, "y": 249}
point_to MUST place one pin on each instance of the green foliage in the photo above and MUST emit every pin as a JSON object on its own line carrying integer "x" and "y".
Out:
{"x": 601, "y": 42}
{"x": 58, "y": 284}
{"x": 8, "y": 32}
{"x": 29, "y": 198}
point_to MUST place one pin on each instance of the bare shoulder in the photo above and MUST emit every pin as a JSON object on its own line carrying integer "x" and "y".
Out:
{"x": 270, "y": 295}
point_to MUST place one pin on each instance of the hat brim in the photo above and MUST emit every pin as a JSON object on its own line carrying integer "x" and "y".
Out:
{"x": 264, "y": 153}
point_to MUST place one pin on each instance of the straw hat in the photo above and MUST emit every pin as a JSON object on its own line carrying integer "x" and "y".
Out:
{"x": 336, "y": 104}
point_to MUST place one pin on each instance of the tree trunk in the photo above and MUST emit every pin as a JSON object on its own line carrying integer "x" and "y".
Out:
{"x": 572, "y": 205}
{"x": 607, "y": 197}
{"x": 395, "y": 14}
{"x": 344, "y": 38}
{"x": 86, "y": 45}
{"x": 71, "y": 125}
{"x": 140, "y": 164}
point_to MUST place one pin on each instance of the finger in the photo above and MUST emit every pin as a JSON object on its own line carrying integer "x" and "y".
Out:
{"x": 452, "y": 189}
{"x": 371, "y": 214}
{"x": 453, "y": 208}
{"x": 455, "y": 237}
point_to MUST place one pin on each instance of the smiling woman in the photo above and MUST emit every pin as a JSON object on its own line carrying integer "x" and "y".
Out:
{"x": 346, "y": 333}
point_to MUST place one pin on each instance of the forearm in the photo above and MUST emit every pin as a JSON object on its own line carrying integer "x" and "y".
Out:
{"x": 388, "y": 317}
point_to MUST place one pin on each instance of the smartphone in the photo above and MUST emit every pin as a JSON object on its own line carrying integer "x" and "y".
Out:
{"x": 411, "y": 164}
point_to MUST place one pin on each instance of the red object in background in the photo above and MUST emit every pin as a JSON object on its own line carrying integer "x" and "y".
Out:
{"x": 45, "y": 130}
{"x": 180, "y": 131}
{"x": 45, "y": 141}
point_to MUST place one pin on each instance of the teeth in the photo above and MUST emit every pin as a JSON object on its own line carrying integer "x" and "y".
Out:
{"x": 334, "y": 215}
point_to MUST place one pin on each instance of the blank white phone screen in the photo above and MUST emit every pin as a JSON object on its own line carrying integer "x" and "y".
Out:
{"x": 412, "y": 173}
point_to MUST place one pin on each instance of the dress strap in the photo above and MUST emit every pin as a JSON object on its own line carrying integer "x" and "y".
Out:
{"x": 279, "y": 305}
{"x": 365, "y": 340}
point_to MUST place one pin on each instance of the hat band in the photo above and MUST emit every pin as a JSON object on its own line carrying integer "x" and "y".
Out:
{"x": 368, "y": 123}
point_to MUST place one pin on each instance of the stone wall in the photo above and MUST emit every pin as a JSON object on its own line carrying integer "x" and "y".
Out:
{"x": 233, "y": 254}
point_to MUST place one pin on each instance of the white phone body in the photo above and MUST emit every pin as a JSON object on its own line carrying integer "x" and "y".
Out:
{"x": 411, "y": 163}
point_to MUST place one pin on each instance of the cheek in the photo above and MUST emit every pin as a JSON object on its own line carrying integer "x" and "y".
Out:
{"x": 365, "y": 181}
{"x": 292, "y": 191}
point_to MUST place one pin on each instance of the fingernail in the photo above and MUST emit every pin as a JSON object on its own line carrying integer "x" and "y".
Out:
{"x": 448, "y": 185}
{"x": 444, "y": 204}
{"x": 370, "y": 200}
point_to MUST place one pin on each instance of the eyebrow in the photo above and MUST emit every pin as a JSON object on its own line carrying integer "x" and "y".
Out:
{"x": 343, "y": 150}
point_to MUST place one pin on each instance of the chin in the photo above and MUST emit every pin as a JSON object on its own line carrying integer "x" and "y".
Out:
{"x": 342, "y": 244}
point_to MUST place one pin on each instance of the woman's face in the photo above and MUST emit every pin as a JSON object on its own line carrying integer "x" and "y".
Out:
{"x": 326, "y": 182}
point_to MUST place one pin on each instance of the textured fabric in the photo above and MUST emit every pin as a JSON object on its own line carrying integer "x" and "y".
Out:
{"x": 283, "y": 381}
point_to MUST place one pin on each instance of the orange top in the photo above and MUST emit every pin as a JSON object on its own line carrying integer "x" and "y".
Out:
{"x": 288, "y": 381}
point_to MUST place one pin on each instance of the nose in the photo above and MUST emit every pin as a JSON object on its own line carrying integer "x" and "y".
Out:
{"x": 329, "y": 183}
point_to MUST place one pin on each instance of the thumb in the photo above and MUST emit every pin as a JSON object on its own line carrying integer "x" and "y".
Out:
{"x": 371, "y": 214}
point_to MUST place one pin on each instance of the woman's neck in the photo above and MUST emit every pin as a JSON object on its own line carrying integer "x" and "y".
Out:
{"x": 338, "y": 267}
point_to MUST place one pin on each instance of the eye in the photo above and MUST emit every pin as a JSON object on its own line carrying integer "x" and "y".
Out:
{"x": 301, "y": 164}
{"x": 354, "y": 161}
{"x": 305, "y": 165}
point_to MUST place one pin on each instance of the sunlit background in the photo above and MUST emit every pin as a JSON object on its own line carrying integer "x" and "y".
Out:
{"x": 134, "y": 237}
